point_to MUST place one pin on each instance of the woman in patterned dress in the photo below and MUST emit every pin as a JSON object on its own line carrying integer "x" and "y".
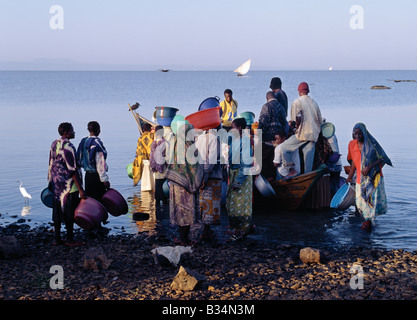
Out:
{"x": 186, "y": 178}
{"x": 239, "y": 194}
{"x": 368, "y": 158}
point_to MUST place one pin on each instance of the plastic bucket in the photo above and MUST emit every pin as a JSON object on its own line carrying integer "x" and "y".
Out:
{"x": 114, "y": 203}
{"x": 175, "y": 122}
{"x": 205, "y": 119}
{"x": 343, "y": 198}
{"x": 165, "y": 115}
{"x": 89, "y": 214}
{"x": 209, "y": 103}
{"x": 327, "y": 129}
{"x": 248, "y": 116}
{"x": 47, "y": 197}
{"x": 129, "y": 170}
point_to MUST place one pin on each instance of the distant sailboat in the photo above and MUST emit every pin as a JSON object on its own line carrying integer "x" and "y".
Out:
{"x": 331, "y": 68}
{"x": 244, "y": 68}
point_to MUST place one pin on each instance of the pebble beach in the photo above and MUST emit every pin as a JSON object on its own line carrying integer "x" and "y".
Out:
{"x": 245, "y": 270}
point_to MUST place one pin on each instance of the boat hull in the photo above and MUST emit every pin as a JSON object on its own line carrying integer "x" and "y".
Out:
{"x": 302, "y": 192}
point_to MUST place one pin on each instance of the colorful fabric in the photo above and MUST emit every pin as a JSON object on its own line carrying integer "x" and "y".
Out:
{"x": 87, "y": 151}
{"x": 354, "y": 154}
{"x": 143, "y": 151}
{"x": 239, "y": 203}
{"x": 62, "y": 166}
{"x": 183, "y": 206}
{"x": 378, "y": 199}
{"x": 272, "y": 120}
{"x": 210, "y": 202}
{"x": 229, "y": 112}
{"x": 157, "y": 156}
{"x": 371, "y": 151}
{"x": 181, "y": 171}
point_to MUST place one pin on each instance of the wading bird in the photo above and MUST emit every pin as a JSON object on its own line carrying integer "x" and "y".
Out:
{"x": 24, "y": 193}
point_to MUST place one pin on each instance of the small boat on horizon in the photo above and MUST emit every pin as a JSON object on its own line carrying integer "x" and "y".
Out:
{"x": 243, "y": 69}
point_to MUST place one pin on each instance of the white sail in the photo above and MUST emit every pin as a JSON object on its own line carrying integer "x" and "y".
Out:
{"x": 244, "y": 68}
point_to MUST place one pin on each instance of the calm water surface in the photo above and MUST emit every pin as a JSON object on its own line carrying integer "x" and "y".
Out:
{"x": 32, "y": 104}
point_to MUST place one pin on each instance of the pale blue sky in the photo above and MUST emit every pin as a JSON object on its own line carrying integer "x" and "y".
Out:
{"x": 216, "y": 34}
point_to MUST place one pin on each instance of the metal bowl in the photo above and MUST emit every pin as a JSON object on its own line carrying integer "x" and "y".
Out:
{"x": 264, "y": 187}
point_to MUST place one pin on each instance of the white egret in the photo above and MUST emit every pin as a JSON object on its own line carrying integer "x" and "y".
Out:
{"x": 24, "y": 193}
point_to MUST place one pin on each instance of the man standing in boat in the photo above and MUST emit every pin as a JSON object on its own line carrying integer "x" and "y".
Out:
{"x": 272, "y": 120}
{"x": 280, "y": 95}
{"x": 306, "y": 113}
{"x": 229, "y": 109}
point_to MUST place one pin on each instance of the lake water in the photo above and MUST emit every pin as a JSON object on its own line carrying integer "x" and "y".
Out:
{"x": 32, "y": 104}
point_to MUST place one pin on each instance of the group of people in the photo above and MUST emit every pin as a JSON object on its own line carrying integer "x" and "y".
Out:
{"x": 289, "y": 147}
{"x": 65, "y": 177}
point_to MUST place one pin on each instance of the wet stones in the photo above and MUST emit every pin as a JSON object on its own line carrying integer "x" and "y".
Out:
{"x": 10, "y": 248}
{"x": 95, "y": 259}
{"x": 186, "y": 280}
{"x": 310, "y": 255}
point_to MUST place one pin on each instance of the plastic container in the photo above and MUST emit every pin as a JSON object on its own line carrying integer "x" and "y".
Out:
{"x": 175, "y": 122}
{"x": 165, "y": 115}
{"x": 264, "y": 187}
{"x": 47, "y": 197}
{"x": 209, "y": 103}
{"x": 114, "y": 203}
{"x": 327, "y": 129}
{"x": 90, "y": 213}
{"x": 248, "y": 116}
{"x": 129, "y": 170}
{"x": 344, "y": 198}
{"x": 205, "y": 119}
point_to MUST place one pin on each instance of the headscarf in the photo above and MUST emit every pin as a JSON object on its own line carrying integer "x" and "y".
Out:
{"x": 371, "y": 152}
{"x": 181, "y": 171}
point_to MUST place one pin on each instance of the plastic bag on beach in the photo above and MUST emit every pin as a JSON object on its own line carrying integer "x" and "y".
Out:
{"x": 173, "y": 254}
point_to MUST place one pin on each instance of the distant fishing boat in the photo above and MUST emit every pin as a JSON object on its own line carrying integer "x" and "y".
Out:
{"x": 331, "y": 68}
{"x": 243, "y": 69}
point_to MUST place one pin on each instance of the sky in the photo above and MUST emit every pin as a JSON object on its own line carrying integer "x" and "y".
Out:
{"x": 213, "y": 34}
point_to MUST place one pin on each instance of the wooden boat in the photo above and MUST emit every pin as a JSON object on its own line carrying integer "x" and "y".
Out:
{"x": 301, "y": 192}
{"x": 139, "y": 119}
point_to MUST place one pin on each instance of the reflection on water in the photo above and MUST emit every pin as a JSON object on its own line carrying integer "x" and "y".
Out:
{"x": 142, "y": 209}
{"x": 25, "y": 211}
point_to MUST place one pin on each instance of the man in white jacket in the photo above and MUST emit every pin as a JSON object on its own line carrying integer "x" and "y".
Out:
{"x": 306, "y": 113}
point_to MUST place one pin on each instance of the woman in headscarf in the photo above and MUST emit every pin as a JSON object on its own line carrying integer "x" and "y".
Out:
{"x": 239, "y": 193}
{"x": 368, "y": 158}
{"x": 143, "y": 152}
{"x": 185, "y": 174}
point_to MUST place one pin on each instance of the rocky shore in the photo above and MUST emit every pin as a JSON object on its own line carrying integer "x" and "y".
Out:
{"x": 126, "y": 269}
